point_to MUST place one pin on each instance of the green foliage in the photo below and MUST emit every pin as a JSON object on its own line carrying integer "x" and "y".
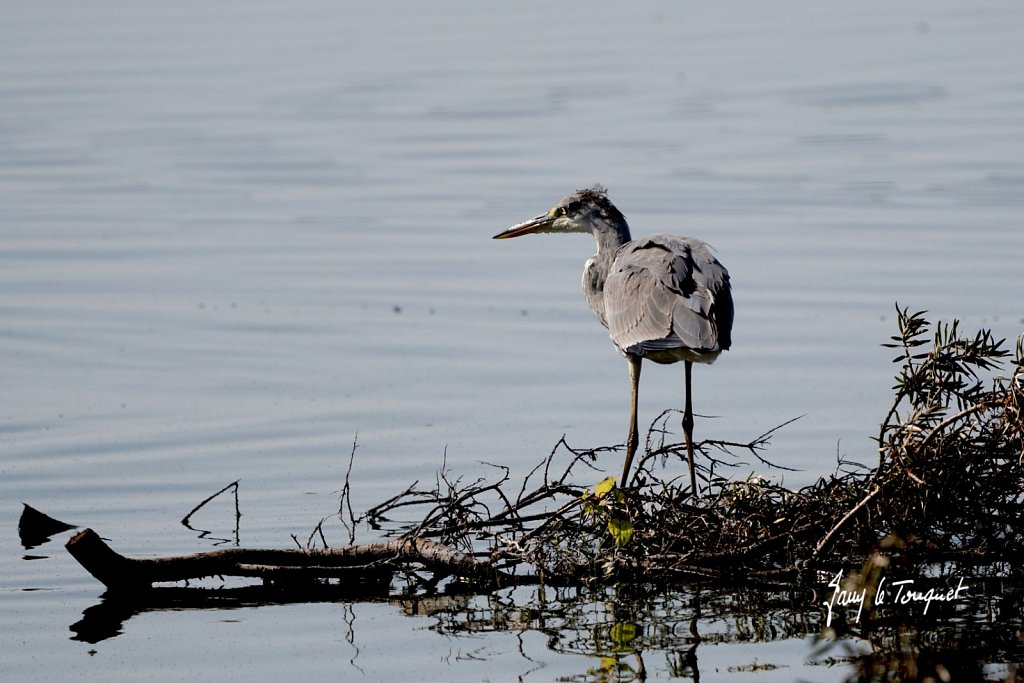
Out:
{"x": 931, "y": 380}
{"x": 608, "y": 502}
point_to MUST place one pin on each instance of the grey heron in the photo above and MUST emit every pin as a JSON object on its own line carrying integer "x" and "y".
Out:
{"x": 664, "y": 297}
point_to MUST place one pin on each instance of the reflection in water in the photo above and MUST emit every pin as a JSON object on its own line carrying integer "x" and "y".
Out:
{"x": 628, "y": 628}
{"x": 626, "y": 632}
{"x": 107, "y": 618}
{"x": 631, "y": 629}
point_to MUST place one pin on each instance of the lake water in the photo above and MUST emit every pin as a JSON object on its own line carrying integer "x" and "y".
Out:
{"x": 235, "y": 237}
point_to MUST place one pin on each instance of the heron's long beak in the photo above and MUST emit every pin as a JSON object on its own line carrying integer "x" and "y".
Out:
{"x": 541, "y": 223}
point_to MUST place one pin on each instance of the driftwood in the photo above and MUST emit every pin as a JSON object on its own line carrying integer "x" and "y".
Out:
{"x": 372, "y": 562}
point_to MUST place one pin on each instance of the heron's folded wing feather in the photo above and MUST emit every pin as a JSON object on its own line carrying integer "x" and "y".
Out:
{"x": 667, "y": 292}
{"x": 638, "y": 308}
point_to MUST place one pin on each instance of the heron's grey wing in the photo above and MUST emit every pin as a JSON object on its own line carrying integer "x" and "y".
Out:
{"x": 668, "y": 292}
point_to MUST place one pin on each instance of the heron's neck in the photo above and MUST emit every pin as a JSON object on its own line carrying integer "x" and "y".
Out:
{"x": 609, "y": 237}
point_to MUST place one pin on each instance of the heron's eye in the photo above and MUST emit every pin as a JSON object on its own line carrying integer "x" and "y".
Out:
{"x": 557, "y": 212}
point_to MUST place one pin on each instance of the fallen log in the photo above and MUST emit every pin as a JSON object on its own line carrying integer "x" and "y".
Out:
{"x": 371, "y": 563}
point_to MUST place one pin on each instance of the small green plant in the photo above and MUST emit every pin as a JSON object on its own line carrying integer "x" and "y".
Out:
{"x": 608, "y": 502}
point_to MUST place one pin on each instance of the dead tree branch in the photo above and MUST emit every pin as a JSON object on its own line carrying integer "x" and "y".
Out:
{"x": 118, "y": 572}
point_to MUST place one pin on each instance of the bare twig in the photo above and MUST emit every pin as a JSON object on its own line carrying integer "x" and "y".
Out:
{"x": 823, "y": 543}
{"x": 345, "y": 499}
{"x": 185, "y": 521}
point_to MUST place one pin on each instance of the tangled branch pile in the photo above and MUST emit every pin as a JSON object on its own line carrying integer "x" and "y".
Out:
{"x": 952, "y": 447}
{"x": 949, "y": 486}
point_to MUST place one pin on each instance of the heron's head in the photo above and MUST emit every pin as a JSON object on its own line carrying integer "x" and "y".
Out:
{"x": 587, "y": 210}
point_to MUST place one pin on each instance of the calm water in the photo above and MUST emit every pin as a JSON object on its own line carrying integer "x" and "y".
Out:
{"x": 235, "y": 236}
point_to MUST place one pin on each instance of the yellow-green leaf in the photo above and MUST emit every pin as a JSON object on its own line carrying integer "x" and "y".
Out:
{"x": 621, "y": 530}
{"x": 602, "y": 489}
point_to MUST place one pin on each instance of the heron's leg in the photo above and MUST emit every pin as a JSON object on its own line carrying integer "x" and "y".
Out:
{"x": 634, "y": 435}
{"x": 688, "y": 429}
